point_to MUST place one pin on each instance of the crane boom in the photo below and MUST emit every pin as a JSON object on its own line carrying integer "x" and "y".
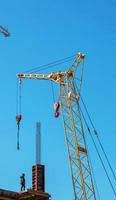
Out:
{"x": 56, "y": 77}
{"x": 74, "y": 132}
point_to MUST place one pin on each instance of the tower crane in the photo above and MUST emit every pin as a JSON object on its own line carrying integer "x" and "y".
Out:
{"x": 83, "y": 186}
{"x": 4, "y": 31}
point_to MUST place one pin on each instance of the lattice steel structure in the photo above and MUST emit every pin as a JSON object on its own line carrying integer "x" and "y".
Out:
{"x": 77, "y": 152}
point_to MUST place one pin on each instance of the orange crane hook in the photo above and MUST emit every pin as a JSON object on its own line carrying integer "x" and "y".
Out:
{"x": 56, "y": 109}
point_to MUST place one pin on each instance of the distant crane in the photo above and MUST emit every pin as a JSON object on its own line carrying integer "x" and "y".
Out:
{"x": 74, "y": 132}
{"x": 4, "y": 31}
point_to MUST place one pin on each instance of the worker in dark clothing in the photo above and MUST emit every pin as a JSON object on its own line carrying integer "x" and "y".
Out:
{"x": 22, "y": 182}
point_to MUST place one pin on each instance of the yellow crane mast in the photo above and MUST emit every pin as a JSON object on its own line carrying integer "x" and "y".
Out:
{"x": 74, "y": 132}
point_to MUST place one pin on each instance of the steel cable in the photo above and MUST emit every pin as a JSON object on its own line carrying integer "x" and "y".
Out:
{"x": 96, "y": 133}
{"x": 112, "y": 187}
{"x": 50, "y": 65}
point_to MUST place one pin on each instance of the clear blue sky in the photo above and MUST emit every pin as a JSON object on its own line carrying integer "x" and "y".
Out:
{"x": 41, "y": 32}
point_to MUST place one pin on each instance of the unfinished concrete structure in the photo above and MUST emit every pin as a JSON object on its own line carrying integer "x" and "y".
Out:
{"x": 37, "y": 192}
{"x": 29, "y": 195}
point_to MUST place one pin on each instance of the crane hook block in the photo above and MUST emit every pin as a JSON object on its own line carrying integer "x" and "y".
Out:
{"x": 56, "y": 106}
{"x": 18, "y": 118}
{"x": 56, "y": 114}
{"x": 56, "y": 109}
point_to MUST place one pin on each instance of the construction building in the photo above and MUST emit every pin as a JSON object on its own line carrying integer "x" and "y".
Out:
{"x": 37, "y": 192}
{"x": 29, "y": 195}
{"x": 38, "y": 187}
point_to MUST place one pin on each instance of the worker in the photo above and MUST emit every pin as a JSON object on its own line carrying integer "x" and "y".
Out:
{"x": 22, "y": 182}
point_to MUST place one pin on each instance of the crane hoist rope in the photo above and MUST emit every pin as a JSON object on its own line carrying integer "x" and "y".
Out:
{"x": 73, "y": 128}
{"x": 18, "y": 109}
{"x": 53, "y": 95}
